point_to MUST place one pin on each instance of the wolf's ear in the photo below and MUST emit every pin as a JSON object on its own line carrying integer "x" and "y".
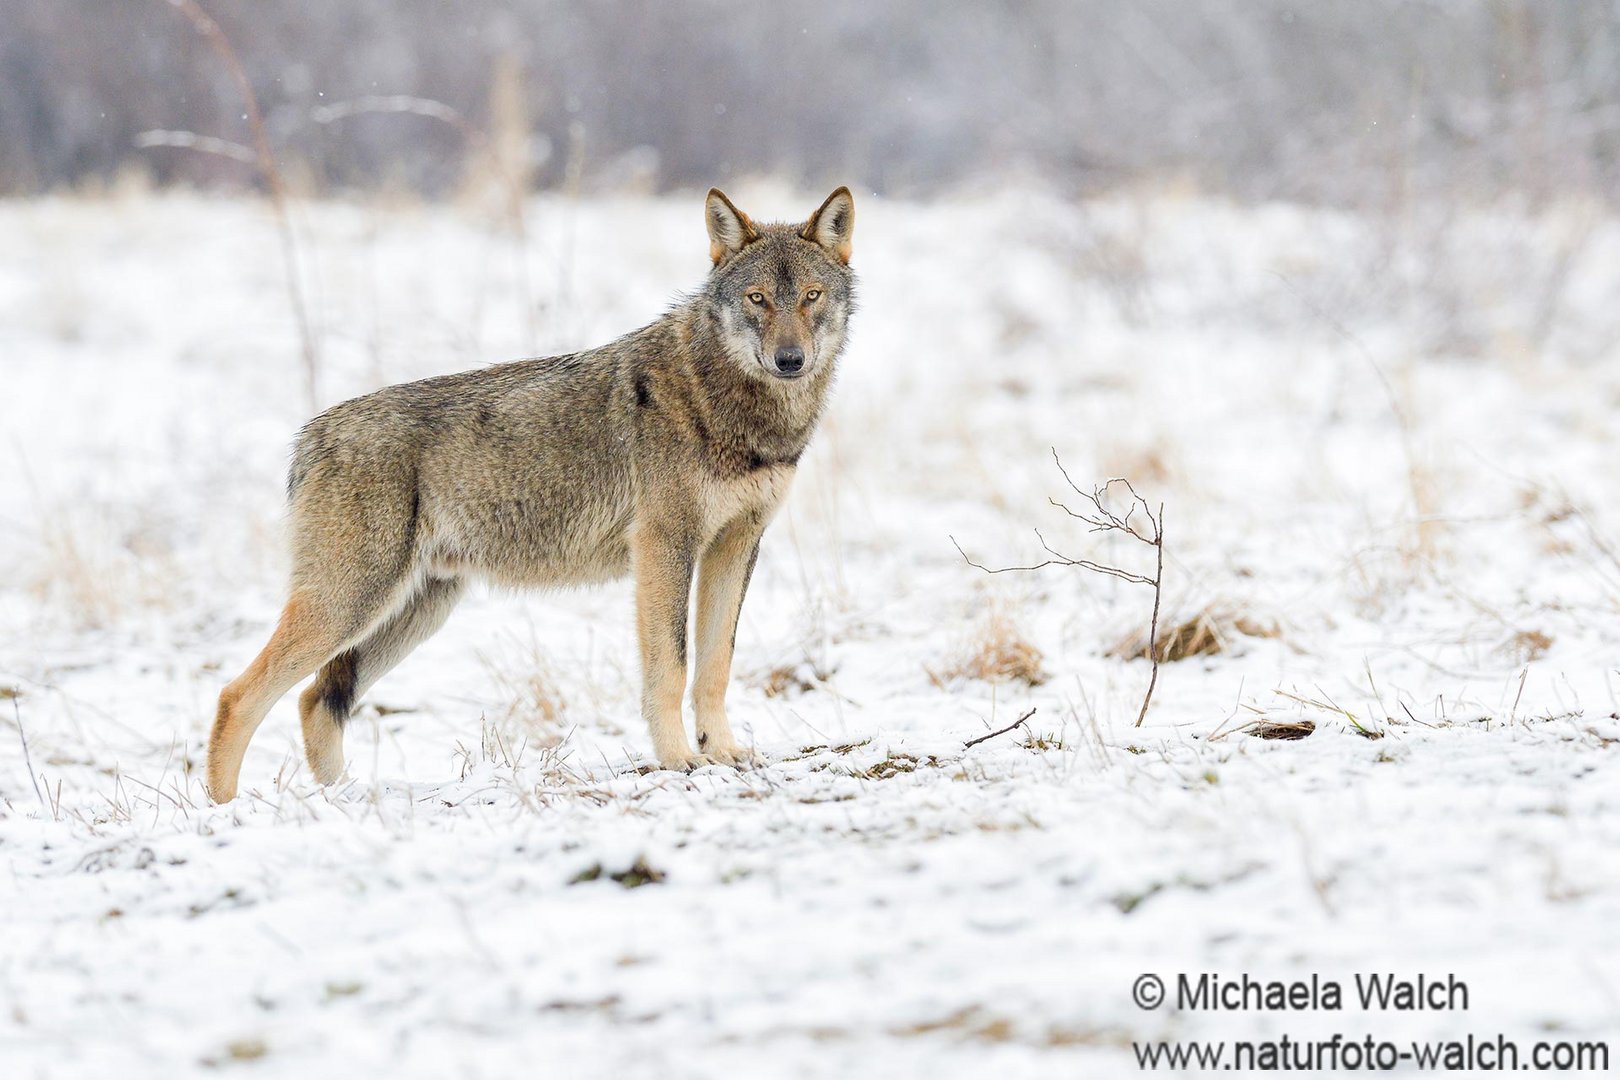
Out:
{"x": 833, "y": 224}
{"x": 730, "y": 230}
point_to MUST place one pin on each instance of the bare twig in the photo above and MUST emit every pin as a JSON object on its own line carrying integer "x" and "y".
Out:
{"x": 1002, "y": 731}
{"x": 27, "y": 758}
{"x": 396, "y": 103}
{"x": 1056, "y": 560}
{"x": 205, "y": 144}
{"x": 474, "y": 138}
{"x": 1103, "y": 519}
{"x": 209, "y": 30}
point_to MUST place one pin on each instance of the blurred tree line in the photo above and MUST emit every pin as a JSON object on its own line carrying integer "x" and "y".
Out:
{"x": 1332, "y": 102}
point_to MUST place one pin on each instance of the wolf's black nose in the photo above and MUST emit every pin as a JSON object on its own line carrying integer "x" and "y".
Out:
{"x": 790, "y": 360}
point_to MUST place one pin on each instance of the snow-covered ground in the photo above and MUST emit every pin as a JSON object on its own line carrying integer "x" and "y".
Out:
{"x": 1387, "y": 451}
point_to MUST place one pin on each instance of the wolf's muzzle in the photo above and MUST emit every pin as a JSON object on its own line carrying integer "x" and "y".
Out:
{"x": 789, "y": 362}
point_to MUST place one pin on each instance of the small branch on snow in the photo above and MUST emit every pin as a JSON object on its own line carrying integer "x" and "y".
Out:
{"x": 971, "y": 743}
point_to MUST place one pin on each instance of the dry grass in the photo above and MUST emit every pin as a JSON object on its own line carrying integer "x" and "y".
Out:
{"x": 1325, "y": 704}
{"x": 1154, "y": 461}
{"x": 94, "y": 567}
{"x": 1215, "y": 629}
{"x": 996, "y": 652}
{"x": 69, "y": 578}
{"x": 1525, "y": 646}
{"x": 782, "y": 679}
{"x": 528, "y": 683}
{"x": 970, "y": 1022}
{"x": 791, "y": 679}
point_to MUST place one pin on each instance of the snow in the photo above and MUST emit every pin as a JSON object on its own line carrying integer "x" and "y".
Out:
{"x": 1386, "y": 447}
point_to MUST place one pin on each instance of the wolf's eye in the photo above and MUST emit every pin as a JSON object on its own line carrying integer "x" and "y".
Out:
{"x": 757, "y": 297}
{"x": 812, "y": 296}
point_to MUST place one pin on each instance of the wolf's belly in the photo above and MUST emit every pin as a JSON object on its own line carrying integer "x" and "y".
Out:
{"x": 523, "y": 543}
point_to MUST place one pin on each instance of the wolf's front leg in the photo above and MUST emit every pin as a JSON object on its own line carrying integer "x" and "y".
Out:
{"x": 663, "y": 558}
{"x": 723, "y": 577}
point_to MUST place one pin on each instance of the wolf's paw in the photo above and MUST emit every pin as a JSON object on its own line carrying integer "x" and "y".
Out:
{"x": 730, "y": 753}
{"x": 326, "y": 764}
{"x": 685, "y": 762}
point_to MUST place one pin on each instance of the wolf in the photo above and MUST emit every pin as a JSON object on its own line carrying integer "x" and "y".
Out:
{"x": 662, "y": 455}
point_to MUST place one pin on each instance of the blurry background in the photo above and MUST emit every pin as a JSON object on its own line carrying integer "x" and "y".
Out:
{"x": 1342, "y": 103}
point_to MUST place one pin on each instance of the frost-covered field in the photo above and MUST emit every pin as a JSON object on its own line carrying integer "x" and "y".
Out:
{"x": 1387, "y": 451}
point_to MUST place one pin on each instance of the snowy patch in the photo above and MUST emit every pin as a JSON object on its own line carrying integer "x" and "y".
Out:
{"x": 1388, "y": 471}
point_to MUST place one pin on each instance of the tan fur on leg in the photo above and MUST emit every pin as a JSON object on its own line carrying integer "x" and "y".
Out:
{"x": 323, "y": 735}
{"x": 663, "y": 568}
{"x": 303, "y": 640}
{"x": 722, "y": 580}
{"x": 326, "y": 705}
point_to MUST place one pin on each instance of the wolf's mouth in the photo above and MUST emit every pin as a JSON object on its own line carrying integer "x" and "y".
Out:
{"x": 784, "y": 376}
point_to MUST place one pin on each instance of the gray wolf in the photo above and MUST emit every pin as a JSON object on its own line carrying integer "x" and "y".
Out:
{"x": 662, "y": 455}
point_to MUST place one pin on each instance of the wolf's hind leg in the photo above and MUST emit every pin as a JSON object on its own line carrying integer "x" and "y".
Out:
{"x": 305, "y": 636}
{"x": 326, "y": 705}
{"x": 723, "y": 578}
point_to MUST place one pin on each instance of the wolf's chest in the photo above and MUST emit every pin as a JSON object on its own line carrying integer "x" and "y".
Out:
{"x": 722, "y": 500}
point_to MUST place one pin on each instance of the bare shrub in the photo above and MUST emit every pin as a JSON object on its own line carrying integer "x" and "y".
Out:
{"x": 1103, "y": 517}
{"x": 265, "y": 161}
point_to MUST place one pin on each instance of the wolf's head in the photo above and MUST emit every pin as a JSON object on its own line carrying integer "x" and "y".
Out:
{"x": 782, "y": 293}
